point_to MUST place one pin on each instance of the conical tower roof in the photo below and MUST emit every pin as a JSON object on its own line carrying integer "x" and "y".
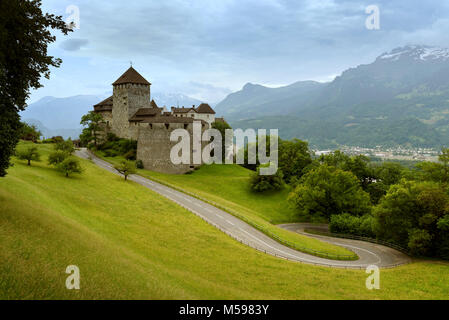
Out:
{"x": 131, "y": 76}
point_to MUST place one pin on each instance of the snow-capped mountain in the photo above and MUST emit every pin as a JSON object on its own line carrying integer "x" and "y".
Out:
{"x": 401, "y": 98}
{"x": 423, "y": 53}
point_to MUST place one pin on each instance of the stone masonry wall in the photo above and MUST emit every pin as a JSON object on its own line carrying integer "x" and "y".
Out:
{"x": 154, "y": 146}
{"x": 128, "y": 98}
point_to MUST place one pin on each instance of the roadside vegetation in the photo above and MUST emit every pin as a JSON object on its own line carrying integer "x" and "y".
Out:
{"x": 130, "y": 243}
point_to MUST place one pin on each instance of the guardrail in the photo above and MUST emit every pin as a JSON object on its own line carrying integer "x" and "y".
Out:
{"x": 354, "y": 237}
{"x": 292, "y": 245}
{"x": 261, "y": 228}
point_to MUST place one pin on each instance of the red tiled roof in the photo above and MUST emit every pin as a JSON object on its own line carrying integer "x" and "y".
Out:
{"x": 131, "y": 76}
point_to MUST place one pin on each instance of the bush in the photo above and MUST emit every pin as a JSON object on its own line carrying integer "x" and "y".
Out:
{"x": 139, "y": 164}
{"x": 261, "y": 183}
{"x": 57, "y": 157}
{"x": 130, "y": 155}
{"x": 348, "y": 224}
{"x": 111, "y": 153}
{"x": 65, "y": 146}
{"x": 119, "y": 147}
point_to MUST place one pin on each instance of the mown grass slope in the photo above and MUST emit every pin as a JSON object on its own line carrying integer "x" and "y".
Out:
{"x": 130, "y": 243}
{"x": 227, "y": 186}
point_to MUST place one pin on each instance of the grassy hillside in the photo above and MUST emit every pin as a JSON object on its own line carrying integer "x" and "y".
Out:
{"x": 130, "y": 243}
{"x": 227, "y": 186}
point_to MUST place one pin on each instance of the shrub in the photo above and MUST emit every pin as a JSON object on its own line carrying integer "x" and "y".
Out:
{"x": 349, "y": 224}
{"x": 261, "y": 183}
{"x": 111, "y": 153}
{"x": 130, "y": 155}
{"x": 65, "y": 146}
{"x": 57, "y": 157}
{"x": 139, "y": 164}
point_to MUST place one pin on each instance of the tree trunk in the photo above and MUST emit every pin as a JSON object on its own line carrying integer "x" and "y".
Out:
{"x": 126, "y": 177}
{"x": 29, "y": 162}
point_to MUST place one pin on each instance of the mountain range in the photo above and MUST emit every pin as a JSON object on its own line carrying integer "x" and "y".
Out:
{"x": 402, "y": 98}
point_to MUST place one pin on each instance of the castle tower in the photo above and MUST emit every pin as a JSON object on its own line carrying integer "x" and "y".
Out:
{"x": 130, "y": 93}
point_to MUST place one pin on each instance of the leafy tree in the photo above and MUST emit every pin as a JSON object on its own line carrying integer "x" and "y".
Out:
{"x": 69, "y": 165}
{"x": 326, "y": 190}
{"x": 93, "y": 122}
{"x": 29, "y": 154}
{"x": 25, "y": 33}
{"x": 65, "y": 146}
{"x": 358, "y": 165}
{"x": 261, "y": 183}
{"x": 57, "y": 157}
{"x": 222, "y": 126}
{"x": 294, "y": 157}
{"x": 413, "y": 214}
{"x": 383, "y": 176}
{"x": 126, "y": 168}
{"x": 29, "y": 133}
{"x": 430, "y": 171}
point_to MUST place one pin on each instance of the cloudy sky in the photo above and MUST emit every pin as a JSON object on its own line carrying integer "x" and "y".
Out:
{"x": 208, "y": 48}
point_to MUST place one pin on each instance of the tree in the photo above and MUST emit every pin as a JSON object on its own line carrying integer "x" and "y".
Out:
{"x": 29, "y": 154}
{"x": 358, "y": 165}
{"x": 69, "y": 165}
{"x": 126, "y": 168}
{"x": 93, "y": 122}
{"x": 261, "y": 183}
{"x": 326, "y": 190}
{"x": 413, "y": 214}
{"x": 294, "y": 157}
{"x": 29, "y": 133}
{"x": 57, "y": 157}
{"x": 65, "y": 146}
{"x": 25, "y": 33}
{"x": 222, "y": 126}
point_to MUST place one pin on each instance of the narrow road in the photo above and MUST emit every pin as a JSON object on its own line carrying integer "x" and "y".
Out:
{"x": 240, "y": 230}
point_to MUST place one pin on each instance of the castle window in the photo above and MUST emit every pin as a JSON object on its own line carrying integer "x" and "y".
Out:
{"x": 151, "y": 126}
{"x": 185, "y": 126}
{"x": 166, "y": 125}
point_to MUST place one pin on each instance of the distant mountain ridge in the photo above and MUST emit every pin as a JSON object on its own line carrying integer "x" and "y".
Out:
{"x": 402, "y": 98}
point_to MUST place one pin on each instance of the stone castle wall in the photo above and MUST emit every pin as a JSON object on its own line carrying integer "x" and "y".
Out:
{"x": 154, "y": 146}
{"x": 128, "y": 98}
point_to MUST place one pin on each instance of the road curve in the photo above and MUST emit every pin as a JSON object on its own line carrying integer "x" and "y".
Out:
{"x": 369, "y": 253}
{"x": 245, "y": 233}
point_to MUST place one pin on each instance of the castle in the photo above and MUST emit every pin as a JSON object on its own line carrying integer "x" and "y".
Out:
{"x": 130, "y": 113}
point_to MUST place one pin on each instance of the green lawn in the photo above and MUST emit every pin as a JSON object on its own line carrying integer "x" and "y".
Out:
{"x": 131, "y": 243}
{"x": 227, "y": 186}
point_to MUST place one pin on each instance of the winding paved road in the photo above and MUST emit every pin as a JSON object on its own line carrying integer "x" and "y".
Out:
{"x": 369, "y": 254}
